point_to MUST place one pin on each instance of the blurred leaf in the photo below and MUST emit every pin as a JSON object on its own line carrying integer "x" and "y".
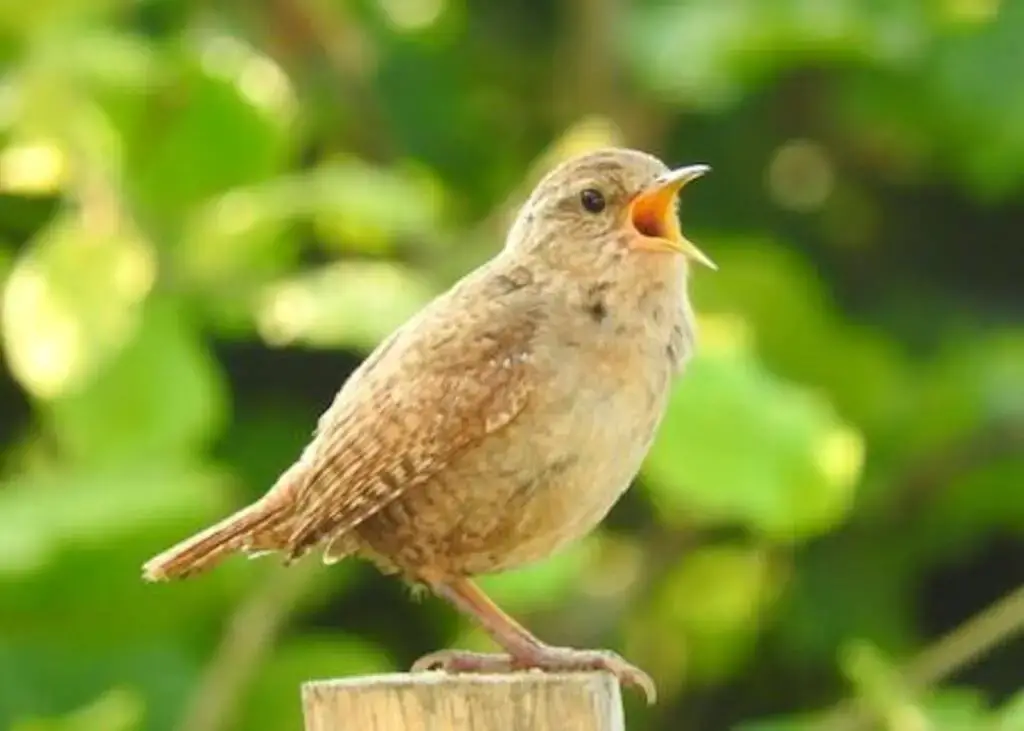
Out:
{"x": 739, "y": 445}
{"x": 544, "y": 584}
{"x": 353, "y": 304}
{"x": 32, "y": 167}
{"x": 977, "y": 104}
{"x": 802, "y": 723}
{"x": 273, "y": 703}
{"x": 800, "y": 335}
{"x": 711, "y": 604}
{"x": 106, "y": 57}
{"x": 124, "y": 412}
{"x": 424, "y": 102}
{"x": 95, "y": 57}
{"x": 1011, "y": 715}
{"x": 365, "y": 209}
{"x": 115, "y": 710}
{"x": 71, "y": 301}
{"x": 877, "y": 682}
{"x": 837, "y": 592}
{"x": 892, "y": 702}
{"x": 41, "y": 516}
{"x": 709, "y": 53}
{"x": 977, "y": 381}
{"x": 98, "y": 571}
{"x": 63, "y": 136}
{"x": 961, "y": 516}
{"x": 212, "y": 138}
{"x": 47, "y": 15}
{"x": 239, "y": 241}
{"x": 954, "y": 709}
{"x": 45, "y": 680}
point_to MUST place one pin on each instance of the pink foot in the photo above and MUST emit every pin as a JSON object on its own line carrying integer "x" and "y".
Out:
{"x": 544, "y": 657}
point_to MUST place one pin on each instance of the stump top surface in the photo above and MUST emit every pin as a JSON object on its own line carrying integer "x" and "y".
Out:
{"x": 437, "y": 701}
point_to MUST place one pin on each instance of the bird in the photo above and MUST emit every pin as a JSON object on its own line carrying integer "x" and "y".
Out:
{"x": 502, "y": 421}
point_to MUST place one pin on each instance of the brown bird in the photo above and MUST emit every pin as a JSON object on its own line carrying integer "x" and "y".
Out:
{"x": 506, "y": 418}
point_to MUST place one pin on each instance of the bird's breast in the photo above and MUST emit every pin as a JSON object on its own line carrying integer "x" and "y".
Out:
{"x": 599, "y": 387}
{"x": 589, "y": 428}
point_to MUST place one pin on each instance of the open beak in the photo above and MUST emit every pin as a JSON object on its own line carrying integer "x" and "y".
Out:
{"x": 653, "y": 214}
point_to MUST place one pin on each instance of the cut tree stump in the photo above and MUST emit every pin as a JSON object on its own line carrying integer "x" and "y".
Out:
{"x": 435, "y": 701}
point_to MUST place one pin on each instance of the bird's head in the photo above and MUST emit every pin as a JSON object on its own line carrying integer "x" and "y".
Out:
{"x": 604, "y": 208}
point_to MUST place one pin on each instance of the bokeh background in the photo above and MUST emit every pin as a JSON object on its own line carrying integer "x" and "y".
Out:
{"x": 210, "y": 212}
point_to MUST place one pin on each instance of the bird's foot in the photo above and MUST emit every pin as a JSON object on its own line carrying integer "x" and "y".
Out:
{"x": 542, "y": 657}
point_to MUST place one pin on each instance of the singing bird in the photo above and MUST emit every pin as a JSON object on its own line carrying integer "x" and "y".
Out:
{"x": 503, "y": 420}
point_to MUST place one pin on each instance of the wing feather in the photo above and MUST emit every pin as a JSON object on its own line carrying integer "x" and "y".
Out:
{"x": 436, "y": 388}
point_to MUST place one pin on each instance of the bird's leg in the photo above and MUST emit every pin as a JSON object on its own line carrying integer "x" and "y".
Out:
{"x": 524, "y": 650}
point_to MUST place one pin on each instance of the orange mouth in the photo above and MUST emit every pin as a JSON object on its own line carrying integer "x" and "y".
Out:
{"x": 653, "y": 215}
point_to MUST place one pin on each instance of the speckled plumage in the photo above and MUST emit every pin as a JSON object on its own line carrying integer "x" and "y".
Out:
{"x": 506, "y": 418}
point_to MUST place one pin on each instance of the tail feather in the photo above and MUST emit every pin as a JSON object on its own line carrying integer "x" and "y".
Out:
{"x": 204, "y": 550}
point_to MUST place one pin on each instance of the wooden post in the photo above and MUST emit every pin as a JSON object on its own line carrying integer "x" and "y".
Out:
{"x": 435, "y": 701}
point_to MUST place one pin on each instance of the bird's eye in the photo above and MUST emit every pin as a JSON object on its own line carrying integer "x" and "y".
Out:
{"x": 592, "y": 200}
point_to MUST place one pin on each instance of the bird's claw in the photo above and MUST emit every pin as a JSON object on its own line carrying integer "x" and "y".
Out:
{"x": 550, "y": 659}
{"x": 463, "y": 661}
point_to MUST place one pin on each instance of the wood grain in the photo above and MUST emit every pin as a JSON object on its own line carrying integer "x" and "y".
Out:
{"x": 529, "y": 701}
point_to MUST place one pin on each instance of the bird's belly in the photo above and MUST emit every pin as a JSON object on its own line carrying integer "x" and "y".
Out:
{"x": 573, "y": 490}
{"x": 527, "y": 491}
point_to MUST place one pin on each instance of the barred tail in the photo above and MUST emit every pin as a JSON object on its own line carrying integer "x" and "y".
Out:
{"x": 207, "y": 548}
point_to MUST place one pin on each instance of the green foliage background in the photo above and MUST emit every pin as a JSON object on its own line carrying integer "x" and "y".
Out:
{"x": 209, "y": 212}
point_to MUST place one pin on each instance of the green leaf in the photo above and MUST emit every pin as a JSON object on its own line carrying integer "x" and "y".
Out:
{"x": 42, "y": 516}
{"x": 1011, "y": 715}
{"x": 544, "y": 584}
{"x": 805, "y": 722}
{"x": 841, "y": 590}
{"x": 712, "y": 604}
{"x": 72, "y": 301}
{"x": 43, "y": 17}
{"x": 895, "y": 705}
{"x": 889, "y": 700}
{"x": 218, "y": 134}
{"x": 353, "y": 304}
{"x": 711, "y": 53}
{"x": 976, "y": 105}
{"x": 45, "y": 680}
{"x": 116, "y": 710}
{"x": 125, "y": 411}
{"x": 363, "y": 208}
{"x": 800, "y": 335}
{"x": 740, "y": 445}
{"x": 961, "y": 517}
{"x": 973, "y": 383}
{"x": 111, "y": 58}
{"x": 272, "y": 702}
{"x": 956, "y": 709}
{"x": 878, "y": 683}
{"x": 237, "y": 243}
